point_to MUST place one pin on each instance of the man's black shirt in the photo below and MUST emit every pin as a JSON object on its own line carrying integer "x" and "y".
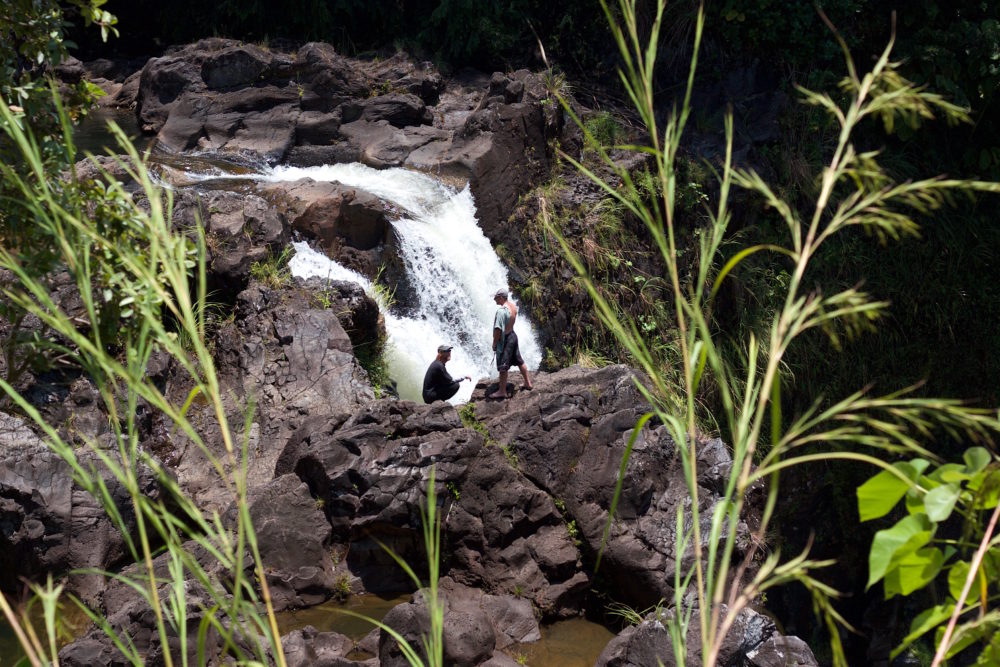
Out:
{"x": 438, "y": 383}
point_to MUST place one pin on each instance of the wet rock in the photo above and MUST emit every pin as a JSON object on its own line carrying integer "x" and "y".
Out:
{"x": 780, "y": 651}
{"x": 476, "y": 626}
{"x": 649, "y": 644}
{"x": 338, "y": 217}
{"x": 381, "y": 145}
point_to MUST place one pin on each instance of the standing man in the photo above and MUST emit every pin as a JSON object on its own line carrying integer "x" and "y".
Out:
{"x": 438, "y": 383}
{"x": 505, "y": 344}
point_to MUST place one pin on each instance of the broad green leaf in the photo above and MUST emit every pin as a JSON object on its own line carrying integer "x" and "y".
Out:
{"x": 941, "y": 501}
{"x": 879, "y": 495}
{"x": 987, "y": 490}
{"x": 924, "y": 623}
{"x": 991, "y": 564}
{"x": 956, "y": 581}
{"x": 889, "y": 545}
{"x": 950, "y": 472}
{"x": 913, "y": 571}
{"x": 976, "y": 459}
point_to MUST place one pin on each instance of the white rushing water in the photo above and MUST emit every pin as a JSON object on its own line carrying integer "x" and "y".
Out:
{"x": 449, "y": 262}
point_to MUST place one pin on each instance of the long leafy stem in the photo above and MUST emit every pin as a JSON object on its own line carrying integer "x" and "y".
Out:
{"x": 854, "y": 192}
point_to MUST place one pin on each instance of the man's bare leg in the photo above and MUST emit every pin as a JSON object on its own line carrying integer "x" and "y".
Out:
{"x": 527, "y": 381}
{"x": 501, "y": 391}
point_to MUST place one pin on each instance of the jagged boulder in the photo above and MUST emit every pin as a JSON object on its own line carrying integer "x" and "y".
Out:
{"x": 288, "y": 354}
{"x": 752, "y": 640}
{"x": 292, "y": 535}
{"x": 309, "y": 648}
{"x": 316, "y": 106}
{"x": 48, "y": 524}
{"x": 569, "y": 436}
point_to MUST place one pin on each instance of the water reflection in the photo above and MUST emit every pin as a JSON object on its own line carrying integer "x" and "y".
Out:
{"x": 576, "y": 642}
{"x": 327, "y": 617}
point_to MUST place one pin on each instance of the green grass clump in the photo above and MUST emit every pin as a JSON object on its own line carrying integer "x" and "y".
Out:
{"x": 273, "y": 271}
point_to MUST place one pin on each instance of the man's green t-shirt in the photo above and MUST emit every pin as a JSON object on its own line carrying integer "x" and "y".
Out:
{"x": 500, "y": 322}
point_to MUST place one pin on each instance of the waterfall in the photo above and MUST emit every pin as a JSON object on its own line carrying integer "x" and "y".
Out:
{"x": 450, "y": 263}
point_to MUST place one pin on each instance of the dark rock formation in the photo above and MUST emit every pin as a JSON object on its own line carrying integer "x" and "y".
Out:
{"x": 241, "y": 229}
{"x": 48, "y": 524}
{"x": 292, "y": 355}
{"x": 309, "y": 648}
{"x": 752, "y": 637}
{"x": 569, "y": 440}
{"x": 292, "y": 535}
{"x": 332, "y": 214}
{"x": 316, "y": 106}
{"x": 371, "y": 471}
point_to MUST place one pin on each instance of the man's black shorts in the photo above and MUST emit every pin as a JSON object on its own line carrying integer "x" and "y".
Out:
{"x": 511, "y": 355}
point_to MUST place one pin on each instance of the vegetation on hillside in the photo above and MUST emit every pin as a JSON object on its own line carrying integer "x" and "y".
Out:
{"x": 853, "y": 191}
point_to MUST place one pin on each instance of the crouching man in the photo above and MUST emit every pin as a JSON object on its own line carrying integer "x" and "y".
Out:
{"x": 438, "y": 383}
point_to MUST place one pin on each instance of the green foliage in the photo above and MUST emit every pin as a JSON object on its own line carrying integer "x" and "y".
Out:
{"x": 854, "y": 192}
{"x": 371, "y": 357}
{"x": 916, "y": 551}
{"x": 384, "y": 293}
{"x": 510, "y": 455}
{"x": 33, "y": 45}
{"x": 342, "y": 587}
{"x": 273, "y": 271}
{"x": 603, "y": 129}
{"x": 789, "y": 32}
{"x": 631, "y": 616}
{"x": 467, "y": 413}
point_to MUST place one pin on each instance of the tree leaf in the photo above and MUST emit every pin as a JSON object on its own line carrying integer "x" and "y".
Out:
{"x": 987, "y": 490}
{"x": 956, "y": 581}
{"x": 976, "y": 459}
{"x": 940, "y": 502}
{"x": 913, "y": 571}
{"x": 889, "y": 545}
{"x": 879, "y": 495}
{"x": 926, "y": 621}
{"x": 950, "y": 472}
